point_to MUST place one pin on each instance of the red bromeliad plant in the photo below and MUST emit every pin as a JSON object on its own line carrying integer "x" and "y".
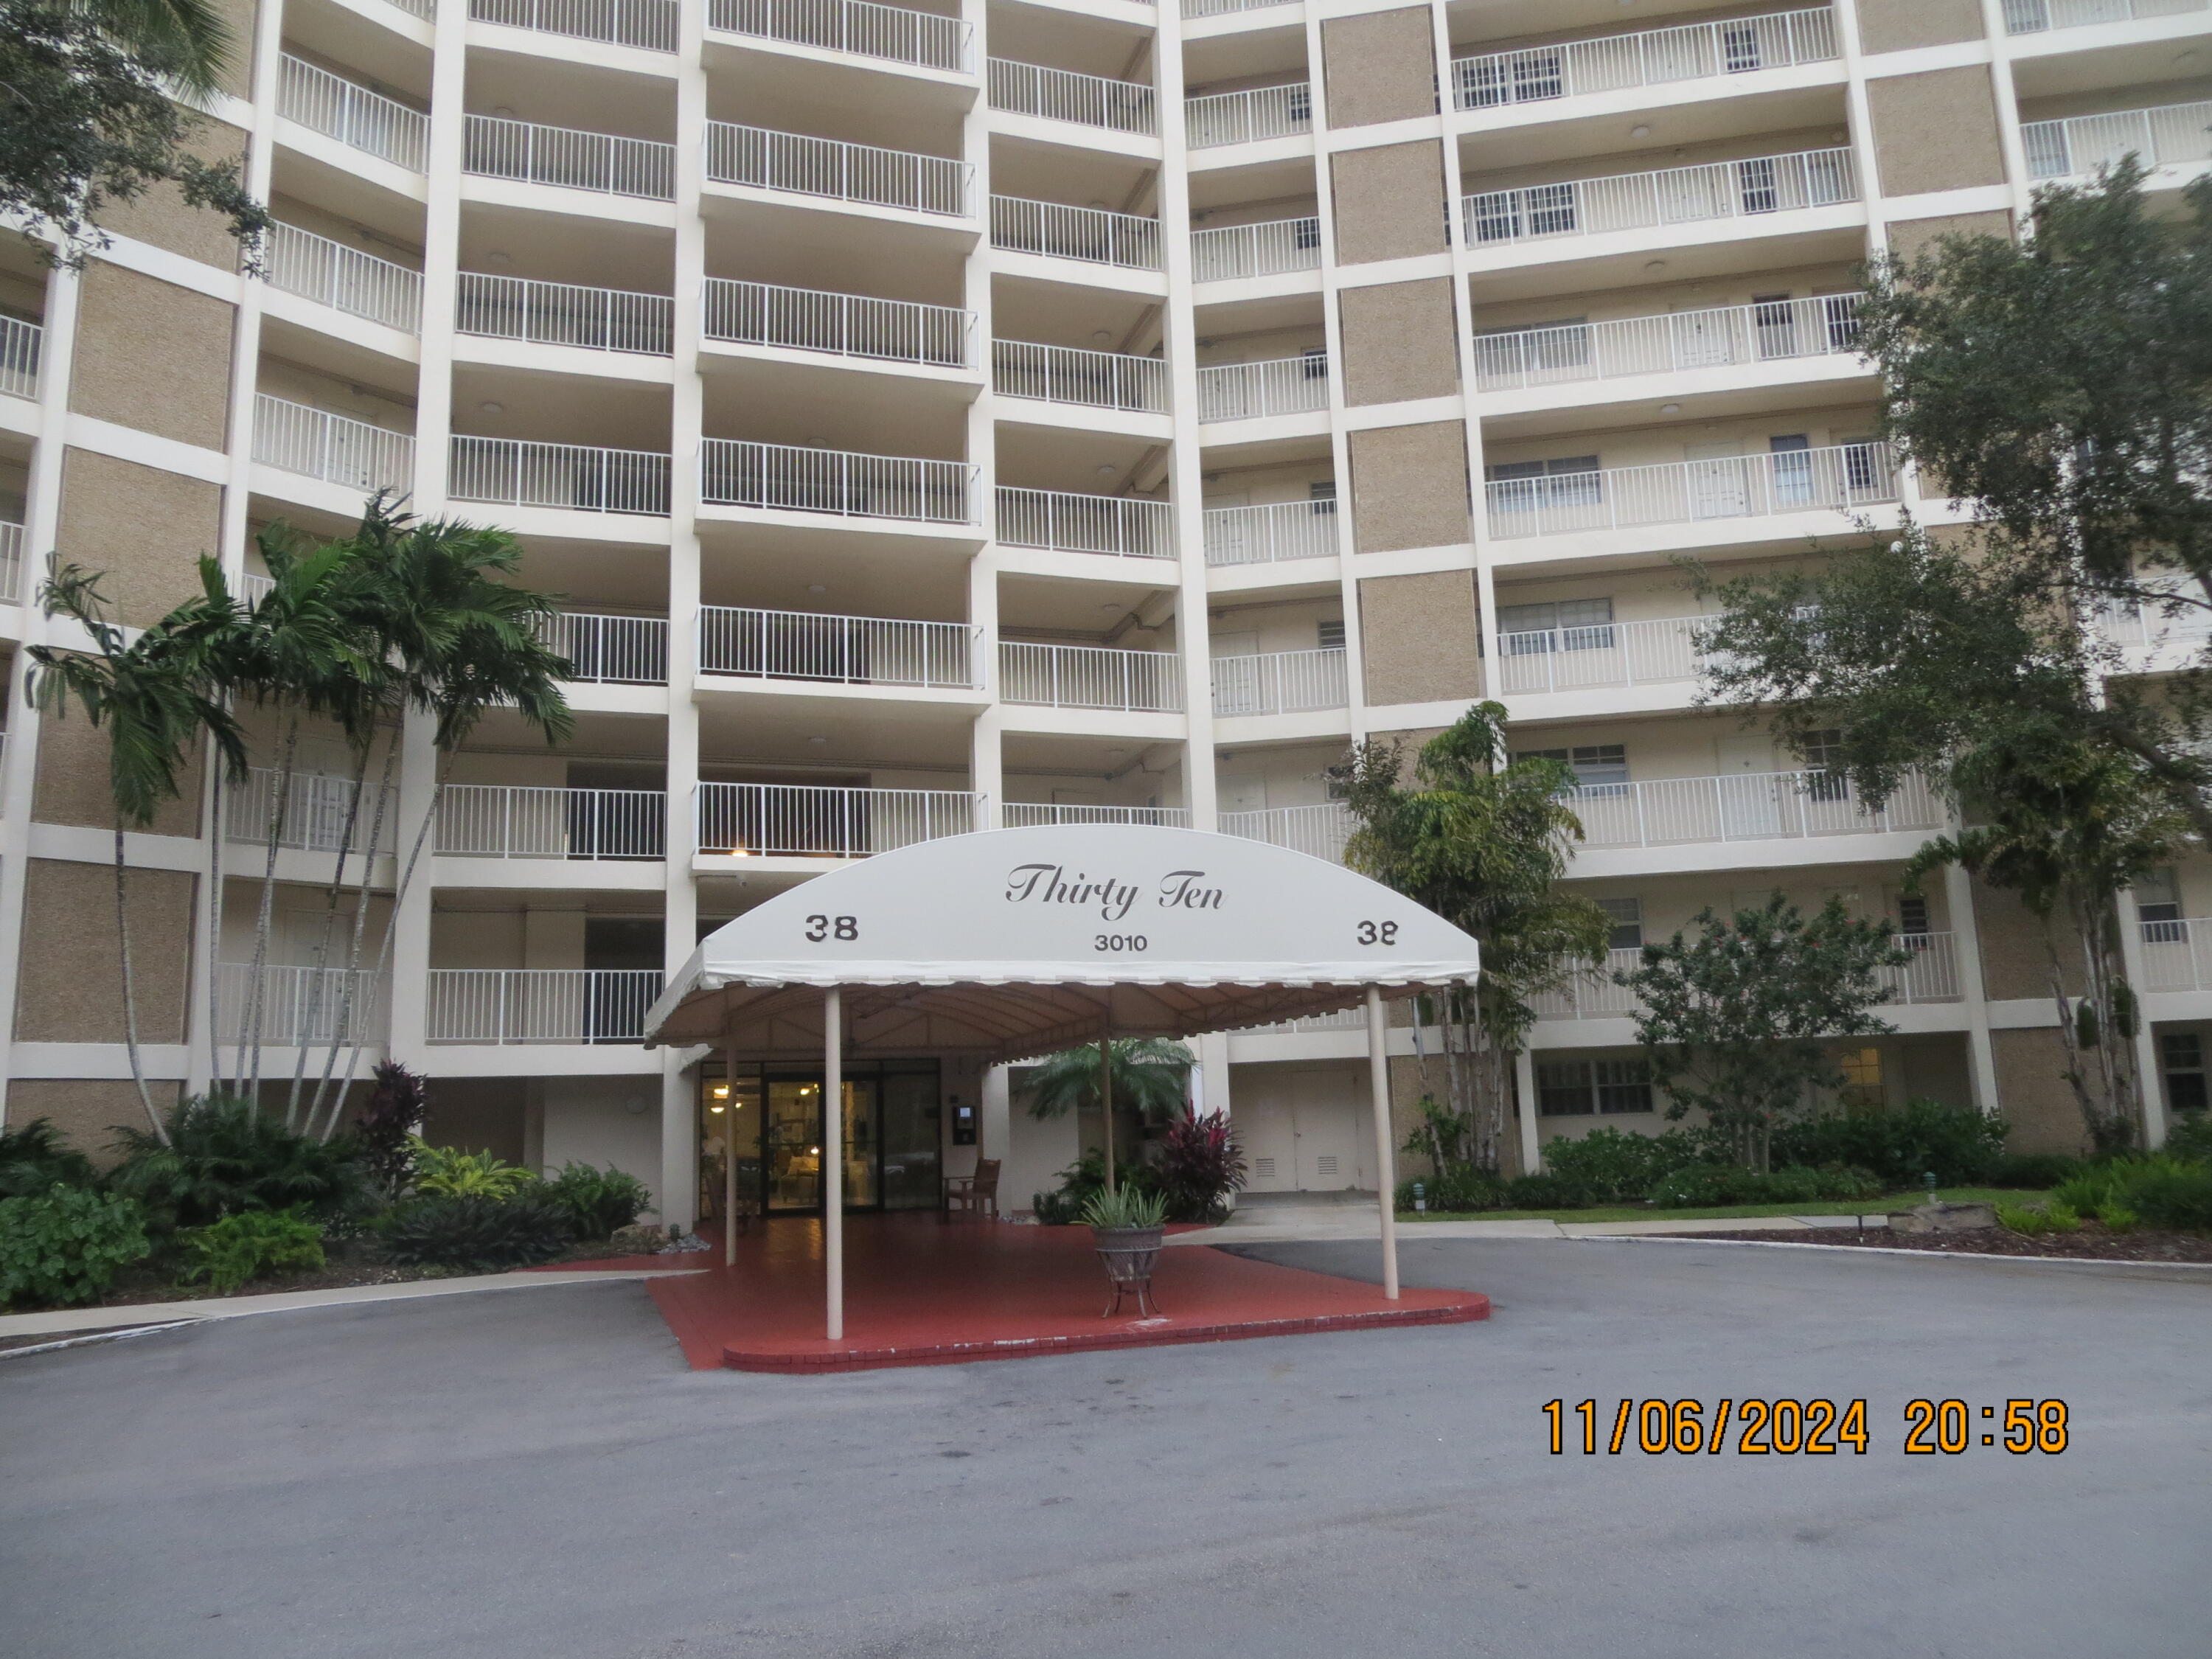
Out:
{"x": 1199, "y": 1165}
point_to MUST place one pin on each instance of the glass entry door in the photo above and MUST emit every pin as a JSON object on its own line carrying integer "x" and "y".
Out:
{"x": 793, "y": 1154}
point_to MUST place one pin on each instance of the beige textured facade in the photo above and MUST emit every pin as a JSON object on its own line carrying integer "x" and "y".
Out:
{"x": 1024, "y": 413}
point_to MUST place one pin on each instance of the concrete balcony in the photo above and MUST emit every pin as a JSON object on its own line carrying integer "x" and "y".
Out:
{"x": 1602, "y": 654}
{"x": 1842, "y": 478}
{"x": 1758, "y": 187}
{"x": 505, "y": 1005}
{"x": 1612, "y": 64}
{"x": 1090, "y": 676}
{"x": 891, "y": 34}
{"x": 611, "y": 650}
{"x": 11, "y": 567}
{"x": 1271, "y": 534}
{"x": 1281, "y": 385}
{"x": 1932, "y": 975}
{"x": 1024, "y": 814}
{"x": 321, "y": 813}
{"x": 302, "y": 1006}
{"x": 1319, "y": 831}
{"x": 573, "y": 478}
{"x": 787, "y": 478}
{"x": 2177, "y": 954}
{"x": 1122, "y": 526}
{"x": 1725, "y": 336}
{"x": 1091, "y": 380}
{"x": 1088, "y": 100}
{"x": 1280, "y": 683}
{"x": 1091, "y": 236}
{"x": 839, "y": 325}
{"x": 861, "y": 651}
{"x": 2036, "y": 16}
{"x": 649, "y": 25}
{"x": 568, "y": 158}
{"x": 1235, "y": 252}
{"x": 1243, "y": 118}
{"x": 563, "y": 314}
{"x": 354, "y": 116}
{"x": 794, "y": 164}
{"x": 1198, "y": 9}
{"x": 491, "y": 821}
{"x": 314, "y": 443}
{"x": 2080, "y": 146}
{"x": 810, "y": 821}
{"x": 1744, "y": 806}
{"x": 329, "y": 273}
{"x": 21, "y": 345}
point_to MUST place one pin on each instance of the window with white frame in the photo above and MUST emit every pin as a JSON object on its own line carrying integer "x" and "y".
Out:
{"x": 1583, "y": 1088}
{"x": 1627, "y": 916}
{"x": 1528, "y": 630}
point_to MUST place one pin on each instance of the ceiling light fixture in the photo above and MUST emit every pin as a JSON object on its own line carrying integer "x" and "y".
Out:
{"x": 493, "y": 409}
{"x": 1670, "y": 409}
{"x": 1639, "y": 131}
{"x": 1654, "y": 264}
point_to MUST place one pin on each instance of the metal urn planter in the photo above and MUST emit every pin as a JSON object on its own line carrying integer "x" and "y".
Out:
{"x": 1129, "y": 1254}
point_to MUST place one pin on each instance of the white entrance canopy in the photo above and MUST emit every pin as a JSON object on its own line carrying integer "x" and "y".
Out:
{"x": 1013, "y": 942}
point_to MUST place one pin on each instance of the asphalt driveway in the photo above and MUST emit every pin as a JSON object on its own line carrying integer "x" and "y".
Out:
{"x": 535, "y": 1473}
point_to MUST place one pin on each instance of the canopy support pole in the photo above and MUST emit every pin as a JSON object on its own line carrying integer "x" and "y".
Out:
{"x": 832, "y": 1161}
{"x": 729, "y": 1158}
{"x": 1386, "y": 1165}
{"x": 1106, "y": 1083}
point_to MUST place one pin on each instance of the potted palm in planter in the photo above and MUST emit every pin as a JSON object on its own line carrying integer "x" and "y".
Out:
{"x": 1126, "y": 1227}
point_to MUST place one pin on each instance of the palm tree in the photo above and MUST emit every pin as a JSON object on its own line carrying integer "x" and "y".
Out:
{"x": 187, "y": 40}
{"x": 1149, "y": 1073}
{"x": 156, "y": 695}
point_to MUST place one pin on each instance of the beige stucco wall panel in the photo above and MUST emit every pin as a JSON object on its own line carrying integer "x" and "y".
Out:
{"x": 1397, "y": 342}
{"x": 160, "y": 215}
{"x": 1388, "y": 201}
{"x": 89, "y": 1111}
{"x": 71, "y": 987}
{"x": 1936, "y": 131}
{"x": 1419, "y": 634}
{"x": 1379, "y": 66}
{"x": 152, "y": 356}
{"x": 143, "y": 527}
{"x": 71, "y": 785}
{"x": 1901, "y": 25}
{"x": 1910, "y": 238}
{"x": 2034, "y": 1094}
{"x": 1409, "y": 487}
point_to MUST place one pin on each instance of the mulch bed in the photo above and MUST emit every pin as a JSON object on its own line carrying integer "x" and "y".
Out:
{"x": 2092, "y": 1243}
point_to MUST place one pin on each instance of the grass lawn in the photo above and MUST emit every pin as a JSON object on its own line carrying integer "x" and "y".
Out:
{"x": 1730, "y": 1212}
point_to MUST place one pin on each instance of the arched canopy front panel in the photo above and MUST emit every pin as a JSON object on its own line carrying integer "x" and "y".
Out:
{"x": 1015, "y": 942}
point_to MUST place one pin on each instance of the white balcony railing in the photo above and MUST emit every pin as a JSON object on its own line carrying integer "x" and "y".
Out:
{"x": 1736, "y": 45}
{"x": 760, "y": 159}
{"x": 1126, "y": 526}
{"x": 2034, "y": 17}
{"x": 569, "y": 158}
{"x": 802, "y": 645}
{"x": 11, "y": 570}
{"x": 310, "y": 1005}
{"x": 791, "y": 820}
{"x": 317, "y": 811}
{"x": 1239, "y": 117}
{"x": 1271, "y": 533}
{"x": 561, "y": 313}
{"x": 1841, "y": 478}
{"x": 539, "y": 1005}
{"x": 1600, "y": 655}
{"x": 317, "y": 443}
{"x": 650, "y": 24}
{"x": 1320, "y": 831}
{"x": 611, "y": 650}
{"x": 2177, "y": 954}
{"x": 20, "y": 344}
{"x": 1060, "y": 232}
{"x": 1026, "y": 814}
{"x": 1743, "y": 806}
{"x": 2151, "y": 624}
{"x": 896, "y": 34}
{"x": 1065, "y": 374}
{"x": 1825, "y": 325}
{"x": 794, "y": 480}
{"x": 1261, "y": 250}
{"x": 844, "y": 324}
{"x": 1089, "y": 677}
{"x": 1280, "y": 683}
{"x": 1932, "y": 975}
{"x": 1087, "y": 100}
{"x": 1283, "y": 386}
{"x": 1224, "y": 8}
{"x": 2084, "y": 144}
{"x": 1758, "y": 186}
{"x": 354, "y": 115}
{"x": 516, "y": 473}
{"x": 344, "y": 278}
{"x": 493, "y": 821}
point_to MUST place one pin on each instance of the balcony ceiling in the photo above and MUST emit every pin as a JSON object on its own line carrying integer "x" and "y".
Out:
{"x": 596, "y": 98}
{"x": 934, "y": 591}
{"x": 638, "y": 258}
{"x": 859, "y": 735}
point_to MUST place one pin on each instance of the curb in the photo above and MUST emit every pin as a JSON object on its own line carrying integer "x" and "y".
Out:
{"x": 1924, "y": 1255}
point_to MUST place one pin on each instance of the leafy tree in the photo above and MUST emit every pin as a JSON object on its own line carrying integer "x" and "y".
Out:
{"x": 2065, "y": 826}
{"x": 1738, "y": 1019}
{"x": 1482, "y": 840}
{"x": 89, "y": 116}
{"x": 1149, "y": 1074}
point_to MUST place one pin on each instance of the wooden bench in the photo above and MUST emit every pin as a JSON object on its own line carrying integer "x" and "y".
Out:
{"x": 978, "y": 1193}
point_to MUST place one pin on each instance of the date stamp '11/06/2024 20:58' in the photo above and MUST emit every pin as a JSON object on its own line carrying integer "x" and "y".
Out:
{"x": 1801, "y": 1427}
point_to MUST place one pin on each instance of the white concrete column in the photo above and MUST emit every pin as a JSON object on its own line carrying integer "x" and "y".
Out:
{"x": 833, "y": 1160}
{"x": 1524, "y": 1088}
{"x": 730, "y": 1158}
{"x": 994, "y": 1120}
{"x": 1386, "y": 1162}
{"x": 1973, "y": 991}
{"x": 409, "y": 996}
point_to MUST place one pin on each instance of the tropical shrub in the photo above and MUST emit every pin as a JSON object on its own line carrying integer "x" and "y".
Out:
{"x": 252, "y": 1244}
{"x": 387, "y": 1125}
{"x": 1617, "y": 1167}
{"x": 1126, "y": 1207}
{"x": 2173, "y": 1194}
{"x": 32, "y": 1159}
{"x": 1900, "y": 1145}
{"x": 2034, "y": 1219}
{"x": 2189, "y": 1136}
{"x": 2088, "y": 1192}
{"x": 67, "y": 1246}
{"x": 598, "y": 1200}
{"x": 1457, "y": 1189}
{"x": 1544, "y": 1192}
{"x": 478, "y": 1231}
{"x": 1199, "y": 1165}
{"x": 448, "y": 1172}
{"x": 2031, "y": 1170}
{"x": 1082, "y": 1181}
{"x": 226, "y": 1156}
{"x": 1707, "y": 1186}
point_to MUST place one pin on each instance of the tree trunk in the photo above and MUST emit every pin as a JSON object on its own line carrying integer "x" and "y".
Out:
{"x": 215, "y": 923}
{"x": 1106, "y": 1094}
{"x": 344, "y": 1027}
{"x": 249, "y": 1035}
{"x": 130, "y": 995}
{"x": 314, "y": 999}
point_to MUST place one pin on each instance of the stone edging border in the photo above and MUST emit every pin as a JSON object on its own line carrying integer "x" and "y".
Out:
{"x": 1885, "y": 1249}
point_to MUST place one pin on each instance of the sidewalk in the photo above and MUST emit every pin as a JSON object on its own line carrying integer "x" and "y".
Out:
{"x": 1336, "y": 1223}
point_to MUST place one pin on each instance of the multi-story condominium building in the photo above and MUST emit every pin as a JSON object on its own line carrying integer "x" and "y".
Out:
{"x": 1031, "y": 411}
